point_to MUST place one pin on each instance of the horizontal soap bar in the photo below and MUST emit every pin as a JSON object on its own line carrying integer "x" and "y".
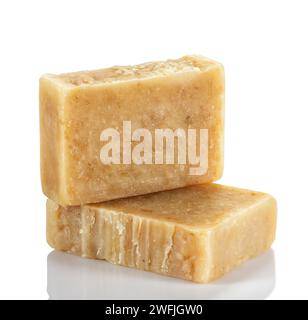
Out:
{"x": 78, "y": 109}
{"x": 196, "y": 233}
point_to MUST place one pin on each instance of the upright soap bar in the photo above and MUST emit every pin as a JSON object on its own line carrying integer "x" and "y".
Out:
{"x": 78, "y": 109}
{"x": 196, "y": 233}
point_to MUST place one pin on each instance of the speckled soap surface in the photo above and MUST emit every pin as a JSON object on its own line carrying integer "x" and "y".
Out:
{"x": 196, "y": 233}
{"x": 187, "y": 93}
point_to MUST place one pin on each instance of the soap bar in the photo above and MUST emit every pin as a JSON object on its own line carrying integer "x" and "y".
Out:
{"x": 105, "y": 133}
{"x": 196, "y": 233}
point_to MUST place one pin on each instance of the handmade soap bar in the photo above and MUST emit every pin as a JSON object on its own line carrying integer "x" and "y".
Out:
{"x": 127, "y": 131}
{"x": 196, "y": 233}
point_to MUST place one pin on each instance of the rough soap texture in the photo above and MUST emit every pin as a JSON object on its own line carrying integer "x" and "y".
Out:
{"x": 196, "y": 233}
{"x": 76, "y": 107}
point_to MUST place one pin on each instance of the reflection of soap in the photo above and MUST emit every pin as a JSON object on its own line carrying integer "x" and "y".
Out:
{"x": 196, "y": 233}
{"x": 75, "y": 109}
{"x": 71, "y": 277}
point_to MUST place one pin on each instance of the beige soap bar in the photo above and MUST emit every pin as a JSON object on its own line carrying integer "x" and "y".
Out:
{"x": 76, "y": 108}
{"x": 196, "y": 233}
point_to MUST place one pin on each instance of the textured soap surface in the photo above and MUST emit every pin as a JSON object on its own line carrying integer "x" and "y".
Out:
{"x": 75, "y": 108}
{"x": 196, "y": 233}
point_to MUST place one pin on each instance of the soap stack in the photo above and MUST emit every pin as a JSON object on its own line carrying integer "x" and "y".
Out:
{"x": 128, "y": 157}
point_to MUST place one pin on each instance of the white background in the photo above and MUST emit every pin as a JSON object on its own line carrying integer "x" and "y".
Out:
{"x": 263, "y": 46}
